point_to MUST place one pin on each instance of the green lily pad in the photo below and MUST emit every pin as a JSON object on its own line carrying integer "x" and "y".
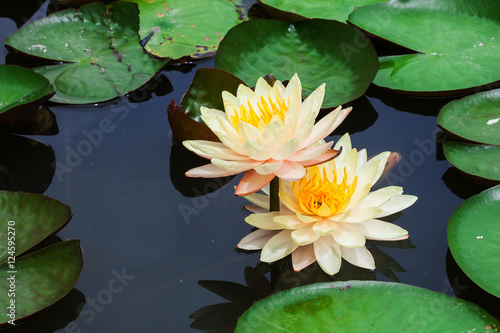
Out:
{"x": 364, "y": 306}
{"x": 319, "y": 51}
{"x": 477, "y": 160}
{"x": 41, "y": 279}
{"x": 457, "y": 43}
{"x": 296, "y": 10}
{"x": 22, "y": 91}
{"x": 179, "y": 28}
{"x": 205, "y": 90}
{"x": 475, "y": 117}
{"x": 474, "y": 239}
{"x": 28, "y": 219}
{"x": 99, "y": 47}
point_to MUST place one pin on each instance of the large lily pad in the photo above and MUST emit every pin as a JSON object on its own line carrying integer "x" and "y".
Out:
{"x": 475, "y": 117}
{"x": 319, "y": 51}
{"x": 28, "y": 218}
{"x": 178, "y": 28}
{"x": 295, "y": 10}
{"x": 477, "y": 160}
{"x": 474, "y": 239}
{"x": 41, "y": 279}
{"x": 364, "y": 306}
{"x": 99, "y": 46}
{"x": 22, "y": 91}
{"x": 457, "y": 41}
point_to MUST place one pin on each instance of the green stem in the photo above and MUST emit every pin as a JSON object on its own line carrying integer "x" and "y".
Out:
{"x": 274, "y": 199}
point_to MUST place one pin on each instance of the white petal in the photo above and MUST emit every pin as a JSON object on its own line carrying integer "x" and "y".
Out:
{"x": 304, "y": 235}
{"x": 324, "y": 227}
{"x": 247, "y": 96}
{"x": 380, "y": 196}
{"x": 210, "y": 149}
{"x": 235, "y": 166}
{"x": 257, "y": 150}
{"x": 248, "y": 132}
{"x": 365, "y": 177}
{"x": 286, "y": 150}
{"x": 274, "y": 134}
{"x": 348, "y": 236}
{"x": 382, "y": 161}
{"x": 269, "y": 167}
{"x": 291, "y": 171}
{"x": 263, "y": 221}
{"x": 396, "y": 204}
{"x": 258, "y": 199}
{"x": 278, "y": 247}
{"x": 380, "y": 230}
{"x": 210, "y": 171}
{"x": 310, "y": 152}
{"x": 256, "y": 240}
{"x": 256, "y": 209}
{"x": 312, "y": 104}
{"x": 323, "y": 127}
{"x": 344, "y": 142}
{"x": 359, "y": 256}
{"x": 362, "y": 158}
{"x": 349, "y": 162}
{"x": 288, "y": 221}
{"x": 302, "y": 257}
{"x": 327, "y": 253}
{"x": 262, "y": 87}
{"x": 358, "y": 215}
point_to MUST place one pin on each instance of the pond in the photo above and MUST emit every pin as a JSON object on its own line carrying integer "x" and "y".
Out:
{"x": 149, "y": 235}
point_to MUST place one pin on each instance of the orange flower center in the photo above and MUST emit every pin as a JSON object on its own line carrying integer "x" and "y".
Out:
{"x": 320, "y": 196}
{"x": 262, "y": 117}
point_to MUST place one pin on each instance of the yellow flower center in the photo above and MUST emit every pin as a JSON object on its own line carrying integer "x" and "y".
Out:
{"x": 319, "y": 196}
{"x": 262, "y": 117}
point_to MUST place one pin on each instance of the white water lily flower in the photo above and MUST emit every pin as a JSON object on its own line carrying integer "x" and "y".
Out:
{"x": 329, "y": 214}
{"x": 267, "y": 133}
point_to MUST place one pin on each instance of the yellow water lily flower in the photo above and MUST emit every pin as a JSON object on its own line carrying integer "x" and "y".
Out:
{"x": 329, "y": 214}
{"x": 267, "y": 133}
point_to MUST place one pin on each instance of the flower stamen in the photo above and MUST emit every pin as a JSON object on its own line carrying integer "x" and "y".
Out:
{"x": 264, "y": 115}
{"x": 318, "y": 195}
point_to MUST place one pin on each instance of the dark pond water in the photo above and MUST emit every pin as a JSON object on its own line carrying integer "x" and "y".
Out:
{"x": 147, "y": 241}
